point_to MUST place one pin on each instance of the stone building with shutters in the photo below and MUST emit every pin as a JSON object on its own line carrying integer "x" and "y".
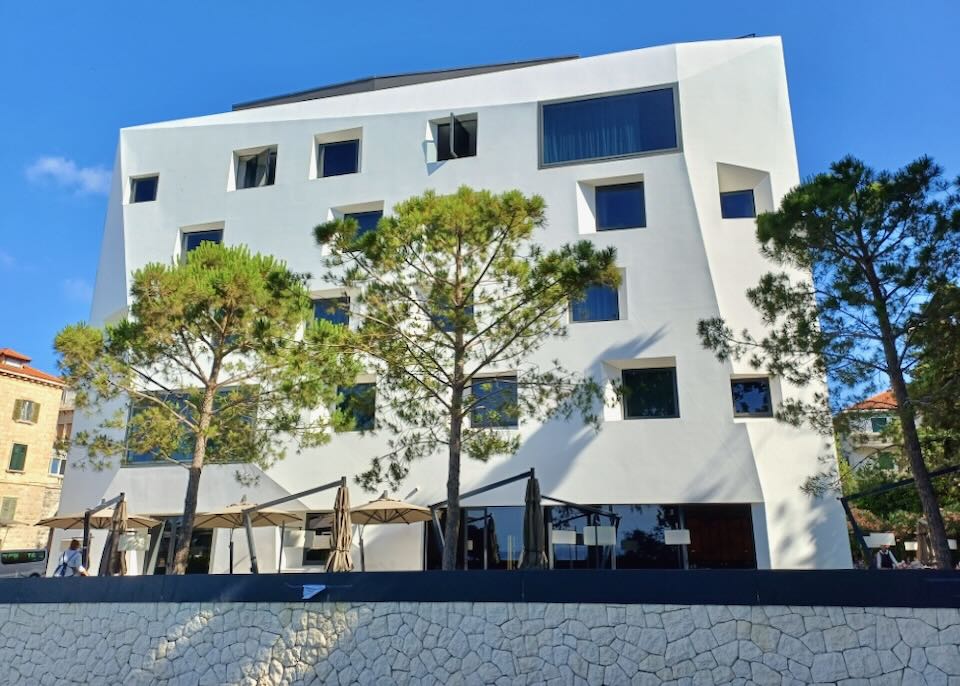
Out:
{"x": 31, "y": 469}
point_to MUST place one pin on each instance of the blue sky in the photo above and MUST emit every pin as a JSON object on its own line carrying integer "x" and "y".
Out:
{"x": 874, "y": 79}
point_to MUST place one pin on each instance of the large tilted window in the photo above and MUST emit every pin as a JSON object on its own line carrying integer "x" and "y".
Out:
{"x": 608, "y": 126}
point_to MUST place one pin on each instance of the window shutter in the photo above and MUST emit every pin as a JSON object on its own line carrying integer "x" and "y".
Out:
{"x": 36, "y": 413}
{"x": 8, "y": 509}
{"x": 17, "y": 409}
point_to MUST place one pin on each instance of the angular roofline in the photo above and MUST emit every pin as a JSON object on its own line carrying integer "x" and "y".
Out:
{"x": 376, "y": 83}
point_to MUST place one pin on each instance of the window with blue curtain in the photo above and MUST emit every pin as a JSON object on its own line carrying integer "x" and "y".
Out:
{"x": 600, "y": 304}
{"x": 737, "y": 205}
{"x": 193, "y": 239}
{"x": 337, "y": 159}
{"x": 496, "y": 405}
{"x": 333, "y": 310}
{"x": 620, "y": 206}
{"x": 608, "y": 126}
{"x": 359, "y": 402}
{"x": 366, "y": 221}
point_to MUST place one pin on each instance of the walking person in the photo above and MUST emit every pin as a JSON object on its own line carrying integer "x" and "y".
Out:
{"x": 71, "y": 562}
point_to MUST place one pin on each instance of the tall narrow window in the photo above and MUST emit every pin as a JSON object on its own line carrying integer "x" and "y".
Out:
{"x": 737, "y": 205}
{"x": 58, "y": 465}
{"x": 144, "y": 188}
{"x": 337, "y": 159}
{"x": 608, "y": 126}
{"x": 8, "y": 509}
{"x": 193, "y": 239}
{"x": 496, "y": 402}
{"x": 18, "y": 458}
{"x": 751, "y": 397}
{"x": 621, "y": 206}
{"x": 366, "y": 221}
{"x": 600, "y": 304}
{"x": 457, "y": 137}
{"x": 257, "y": 169}
{"x": 359, "y": 404}
{"x": 333, "y": 310}
{"x": 650, "y": 393}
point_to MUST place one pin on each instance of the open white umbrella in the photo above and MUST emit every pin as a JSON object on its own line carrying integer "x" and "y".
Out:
{"x": 383, "y": 510}
{"x": 101, "y": 520}
{"x": 231, "y": 517}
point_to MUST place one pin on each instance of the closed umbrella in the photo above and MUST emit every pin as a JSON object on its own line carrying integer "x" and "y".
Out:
{"x": 341, "y": 559}
{"x": 118, "y": 525}
{"x": 924, "y": 543}
{"x": 534, "y": 536}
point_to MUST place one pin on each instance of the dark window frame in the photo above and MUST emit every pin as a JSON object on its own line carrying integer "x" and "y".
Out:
{"x": 512, "y": 423}
{"x": 753, "y": 379}
{"x": 270, "y": 176}
{"x": 184, "y": 251}
{"x": 674, "y": 86}
{"x": 448, "y": 128}
{"x": 343, "y": 405}
{"x": 135, "y": 183}
{"x": 22, "y": 458}
{"x": 361, "y": 230}
{"x": 605, "y": 188}
{"x": 676, "y": 392}
{"x": 738, "y": 193}
{"x": 574, "y": 306}
{"x": 321, "y": 153}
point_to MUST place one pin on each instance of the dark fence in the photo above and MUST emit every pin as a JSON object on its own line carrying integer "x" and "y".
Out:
{"x": 707, "y": 587}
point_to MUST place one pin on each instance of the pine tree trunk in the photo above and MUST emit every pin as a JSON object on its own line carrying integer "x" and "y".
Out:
{"x": 451, "y": 529}
{"x": 185, "y": 531}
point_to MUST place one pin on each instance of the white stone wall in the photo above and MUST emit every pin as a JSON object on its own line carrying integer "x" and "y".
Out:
{"x": 475, "y": 643}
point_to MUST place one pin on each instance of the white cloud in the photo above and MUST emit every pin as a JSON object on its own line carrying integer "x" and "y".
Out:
{"x": 67, "y": 173}
{"x": 78, "y": 290}
{"x": 6, "y": 260}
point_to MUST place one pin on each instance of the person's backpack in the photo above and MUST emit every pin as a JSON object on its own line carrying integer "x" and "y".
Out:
{"x": 62, "y": 568}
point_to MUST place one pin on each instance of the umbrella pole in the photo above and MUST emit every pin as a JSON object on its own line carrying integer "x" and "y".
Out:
{"x": 283, "y": 528}
{"x": 231, "y": 551}
{"x": 254, "y": 569}
{"x": 86, "y": 539}
{"x": 363, "y": 560}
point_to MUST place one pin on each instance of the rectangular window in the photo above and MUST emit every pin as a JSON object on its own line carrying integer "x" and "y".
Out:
{"x": 650, "y": 393}
{"x": 751, "y": 398}
{"x": 737, "y": 205}
{"x": 608, "y": 126}
{"x": 600, "y": 304}
{"x": 26, "y": 411}
{"x": 878, "y": 424}
{"x": 457, "y": 137}
{"x": 144, "y": 189}
{"x": 193, "y": 239}
{"x": 257, "y": 169}
{"x": 359, "y": 404}
{"x": 366, "y": 221}
{"x": 18, "y": 458}
{"x": 620, "y": 206}
{"x": 8, "y": 509}
{"x": 317, "y": 546}
{"x": 885, "y": 460}
{"x": 58, "y": 465}
{"x": 495, "y": 403}
{"x": 337, "y": 159}
{"x": 333, "y": 310}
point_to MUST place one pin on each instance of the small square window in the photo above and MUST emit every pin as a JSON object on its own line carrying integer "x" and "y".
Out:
{"x": 333, "y": 310}
{"x": 144, "y": 188}
{"x": 496, "y": 403}
{"x": 257, "y": 169}
{"x": 878, "y": 424}
{"x": 650, "y": 393}
{"x": 359, "y": 402}
{"x": 600, "y": 304}
{"x": 366, "y": 221}
{"x": 337, "y": 159}
{"x": 18, "y": 458}
{"x": 751, "y": 397}
{"x": 26, "y": 411}
{"x": 621, "y": 206}
{"x": 457, "y": 138}
{"x": 193, "y": 239}
{"x": 737, "y": 205}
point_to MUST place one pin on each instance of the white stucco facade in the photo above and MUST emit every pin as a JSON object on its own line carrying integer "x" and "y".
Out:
{"x": 686, "y": 264}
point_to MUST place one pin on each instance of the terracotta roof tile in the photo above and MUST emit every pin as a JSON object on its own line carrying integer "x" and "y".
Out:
{"x": 23, "y": 369}
{"x": 880, "y": 401}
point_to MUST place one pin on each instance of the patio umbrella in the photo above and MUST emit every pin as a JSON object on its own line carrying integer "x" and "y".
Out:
{"x": 340, "y": 559}
{"x": 231, "y": 517}
{"x": 118, "y": 524}
{"x": 383, "y": 510}
{"x": 534, "y": 537}
{"x": 101, "y": 520}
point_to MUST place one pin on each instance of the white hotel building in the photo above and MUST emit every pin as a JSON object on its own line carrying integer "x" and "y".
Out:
{"x": 676, "y": 147}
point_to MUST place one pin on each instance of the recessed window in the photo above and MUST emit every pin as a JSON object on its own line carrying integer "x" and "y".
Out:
{"x": 620, "y": 206}
{"x": 600, "y": 304}
{"x": 878, "y": 424}
{"x": 737, "y": 204}
{"x": 608, "y": 126}
{"x": 333, "y": 310}
{"x": 318, "y": 539}
{"x": 144, "y": 188}
{"x": 193, "y": 239}
{"x": 751, "y": 397}
{"x": 26, "y": 411}
{"x": 457, "y": 137}
{"x": 339, "y": 158}
{"x": 18, "y": 458}
{"x": 58, "y": 465}
{"x": 8, "y": 509}
{"x": 495, "y": 402}
{"x": 366, "y": 221}
{"x": 650, "y": 393}
{"x": 359, "y": 403}
{"x": 257, "y": 168}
